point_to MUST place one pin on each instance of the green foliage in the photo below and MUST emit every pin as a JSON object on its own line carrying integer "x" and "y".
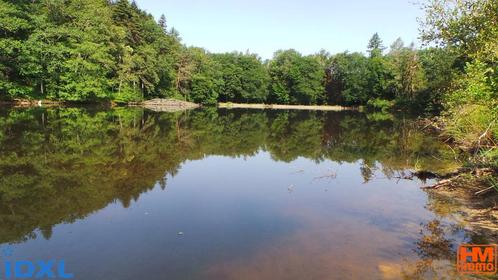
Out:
{"x": 296, "y": 79}
{"x": 204, "y": 89}
{"x": 439, "y": 69}
{"x": 491, "y": 155}
{"x": 348, "y": 83}
{"x": 83, "y": 50}
{"x": 493, "y": 182}
{"x": 379, "y": 78}
{"x": 476, "y": 86}
{"x": 375, "y": 46}
{"x": 380, "y": 104}
{"x": 468, "y": 26}
{"x": 15, "y": 25}
{"x": 355, "y": 79}
{"x": 469, "y": 30}
{"x": 245, "y": 80}
{"x": 201, "y": 77}
{"x": 409, "y": 76}
{"x": 474, "y": 127}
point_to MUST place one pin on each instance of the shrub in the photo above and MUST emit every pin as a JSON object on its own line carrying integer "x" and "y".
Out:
{"x": 473, "y": 125}
{"x": 380, "y": 104}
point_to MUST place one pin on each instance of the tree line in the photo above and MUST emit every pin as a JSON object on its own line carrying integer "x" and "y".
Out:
{"x": 94, "y": 50}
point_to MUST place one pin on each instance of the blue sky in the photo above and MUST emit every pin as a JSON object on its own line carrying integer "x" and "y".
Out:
{"x": 264, "y": 26}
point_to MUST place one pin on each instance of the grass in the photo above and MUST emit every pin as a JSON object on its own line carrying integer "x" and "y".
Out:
{"x": 493, "y": 182}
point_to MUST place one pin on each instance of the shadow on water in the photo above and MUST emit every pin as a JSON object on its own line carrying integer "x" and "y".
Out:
{"x": 63, "y": 166}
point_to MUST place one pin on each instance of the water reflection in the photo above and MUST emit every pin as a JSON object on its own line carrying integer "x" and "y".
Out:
{"x": 223, "y": 177}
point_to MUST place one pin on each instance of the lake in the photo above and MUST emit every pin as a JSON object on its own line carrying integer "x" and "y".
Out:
{"x": 125, "y": 193}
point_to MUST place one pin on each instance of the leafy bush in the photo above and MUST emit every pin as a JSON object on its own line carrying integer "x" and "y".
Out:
{"x": 380, "y": 104}
{"x": 127, "y": 95}
{"x": 473, "y": 125}
{"x": 477, "y": 86}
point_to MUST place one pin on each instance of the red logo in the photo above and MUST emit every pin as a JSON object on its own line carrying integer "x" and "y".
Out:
{"x": 477, "y": 259}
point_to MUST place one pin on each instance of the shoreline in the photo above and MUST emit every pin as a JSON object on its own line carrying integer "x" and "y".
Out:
{"x": 152, "y": 104}
{"x": 471, "y": 196}
{"x": 26, "y": 103}
{"x": 166, "y": 105}
{"x": 285, "y": 107}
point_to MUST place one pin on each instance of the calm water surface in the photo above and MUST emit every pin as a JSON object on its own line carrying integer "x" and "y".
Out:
{"x": 217, "y": 194}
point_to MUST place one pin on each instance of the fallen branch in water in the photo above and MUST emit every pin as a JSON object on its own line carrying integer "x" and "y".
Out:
{"x": 485, "y": 190}
{"x": 442, "y": 183}
{"x": 331, "y": 175}
{"x": 451, "y": 178}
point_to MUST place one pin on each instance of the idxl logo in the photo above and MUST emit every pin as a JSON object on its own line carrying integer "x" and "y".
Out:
{"x": 24, "y": 269}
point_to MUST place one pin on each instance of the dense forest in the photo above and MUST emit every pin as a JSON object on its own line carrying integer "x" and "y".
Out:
{"x": 98, "y": 50}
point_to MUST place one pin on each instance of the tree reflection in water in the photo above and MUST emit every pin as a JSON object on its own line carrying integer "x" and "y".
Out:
{"x": 60, "y": 165}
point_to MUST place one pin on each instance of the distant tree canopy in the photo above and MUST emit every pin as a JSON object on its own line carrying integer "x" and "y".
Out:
{"x": 296, "y": 79}
{"x": 94, "y": 50}
{"x": 244, "y": 76}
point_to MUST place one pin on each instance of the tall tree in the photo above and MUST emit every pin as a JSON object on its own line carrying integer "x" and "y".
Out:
{"x": 296, "y": 79}
{"x": 470, "y": 26}
{"x": 244, "y": 77}
{"x": 162, "y": 23}
{"x": 375, "y": 46}
{"x": 408, "y": 72}
{"x": 16, "y": 24}
{"x": 348, "y": 84}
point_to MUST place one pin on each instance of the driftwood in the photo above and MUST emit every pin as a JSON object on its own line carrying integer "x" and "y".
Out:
{"x": 450, "y": 179}
{"x": 330, "y": 175}
{"x": 166, "y": 105}
{"x": 443, "y": 183}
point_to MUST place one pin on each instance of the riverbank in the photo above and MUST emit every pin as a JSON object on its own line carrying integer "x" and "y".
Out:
{"x": 285, "y": 107}
{"x": 471, "y": 192}
{"x": 172, "y": 105}
{"x": 31, "y": 103}
{"x": 158, "y": 105}
{"x": 471, "y": 197}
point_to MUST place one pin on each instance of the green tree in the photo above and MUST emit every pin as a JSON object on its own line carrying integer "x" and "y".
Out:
{"x": 349, "y": 84}
{"x": 200, "y": 78}
{"x": 245, "y": 78}
{"x": 375, "y": 46}
{"x": 296, "y": 79}
{"x": 467, "y": 25}
{"x": 408, "y": 71}
{"x": 468, "y": 29}
{"x": 162, "y": 23}
{"x": 15, "y": 26}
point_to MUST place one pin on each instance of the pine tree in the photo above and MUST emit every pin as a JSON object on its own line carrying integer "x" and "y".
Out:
{"x": 162, "y": 23}
{"x": 125, "y": 15}
{"x": 397, "y": 45}
{"x": 375, "y": 47}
